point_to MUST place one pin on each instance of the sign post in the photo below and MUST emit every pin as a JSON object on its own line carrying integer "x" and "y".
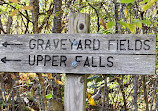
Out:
{"x": 76, "y": 85}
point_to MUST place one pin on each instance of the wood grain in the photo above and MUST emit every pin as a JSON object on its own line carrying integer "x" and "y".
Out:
{"x": 75, "y": 94}
{"x": 128, "y": 58}
{"x": 63, "y": 43}
{"x": 94, "y": 63}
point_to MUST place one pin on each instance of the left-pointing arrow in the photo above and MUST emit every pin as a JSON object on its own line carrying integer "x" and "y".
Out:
{"x": 4, "y": 60}
{"x": 5, "y": 44}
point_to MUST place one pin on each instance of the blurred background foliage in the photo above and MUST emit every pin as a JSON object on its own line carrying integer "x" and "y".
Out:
{"x": 34, "y": 91}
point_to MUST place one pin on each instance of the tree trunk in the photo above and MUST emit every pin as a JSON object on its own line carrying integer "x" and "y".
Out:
{"x": 9, "y": 24}
{"x": 1, "y": 26}
{"x": 116, "y": 15}
{"x": 57, "y": 17}
{"x": 35, "y": 12}
{"x": 105, "y": 95}
{"x": 57, "y": 29}
{"x": 145, "y": 93}
{"x": 135, "y": 85}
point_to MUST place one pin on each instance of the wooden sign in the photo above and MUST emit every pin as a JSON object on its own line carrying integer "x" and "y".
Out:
{"x": 78, "y": 53}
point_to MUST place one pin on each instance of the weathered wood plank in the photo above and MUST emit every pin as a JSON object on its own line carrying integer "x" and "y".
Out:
{"x": 132, "y": 54}
{"x": 86, "y": 63}
{"x": 78, "y": 43}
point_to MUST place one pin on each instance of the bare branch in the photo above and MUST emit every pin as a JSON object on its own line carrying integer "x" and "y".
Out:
{"x": 97, "y": 16}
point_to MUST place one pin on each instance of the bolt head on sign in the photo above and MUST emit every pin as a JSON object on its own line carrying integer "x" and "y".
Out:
{"x": 75, "y": 42}
{"x": 74, "y": 64}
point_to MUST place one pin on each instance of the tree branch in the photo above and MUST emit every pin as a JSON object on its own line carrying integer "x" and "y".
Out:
{"x": 97, "y": 16}
{"x": 19, "y": 12}
{"x": 45, "y": 20}
{"x": 3, "y": 30}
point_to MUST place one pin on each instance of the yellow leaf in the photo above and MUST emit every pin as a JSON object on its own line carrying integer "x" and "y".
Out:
{"x": 14, "y": 12}
{"x": 58, "y": 82}
{"x": 27, "y": 7}
{"x": 13, "y": 76}
{"x": 49, "y": 76}
{"x": 14, "y": 1}
{"x": 90, "y": 99}
{"x": 119, "y": 77}
{"x": 52, "y": 77}
{"x": 31, "y": 109}
{"x": 32, "y": 74}
{"x": 44, "y": 75}
{"x": 24, "y": 77}
{"x": 126, "y": 11}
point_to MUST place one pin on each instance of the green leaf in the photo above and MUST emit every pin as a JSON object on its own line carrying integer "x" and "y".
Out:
{"x": 137, "y": 22}
{"x": 143, "y": 2}
{"x": 110, "y": 24}
{"x": 146, "y": 22}
{"x": 123, "y": 23}
{"x": 48, "y": 96}
{"x": 9, "y": 101}
{"x": 155, "y": 23}
{"x": 132, "y": 28}
{"x": 148, "y": 5}
{"x": 139, "y": 25}
{"x": 127, "y": 1}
